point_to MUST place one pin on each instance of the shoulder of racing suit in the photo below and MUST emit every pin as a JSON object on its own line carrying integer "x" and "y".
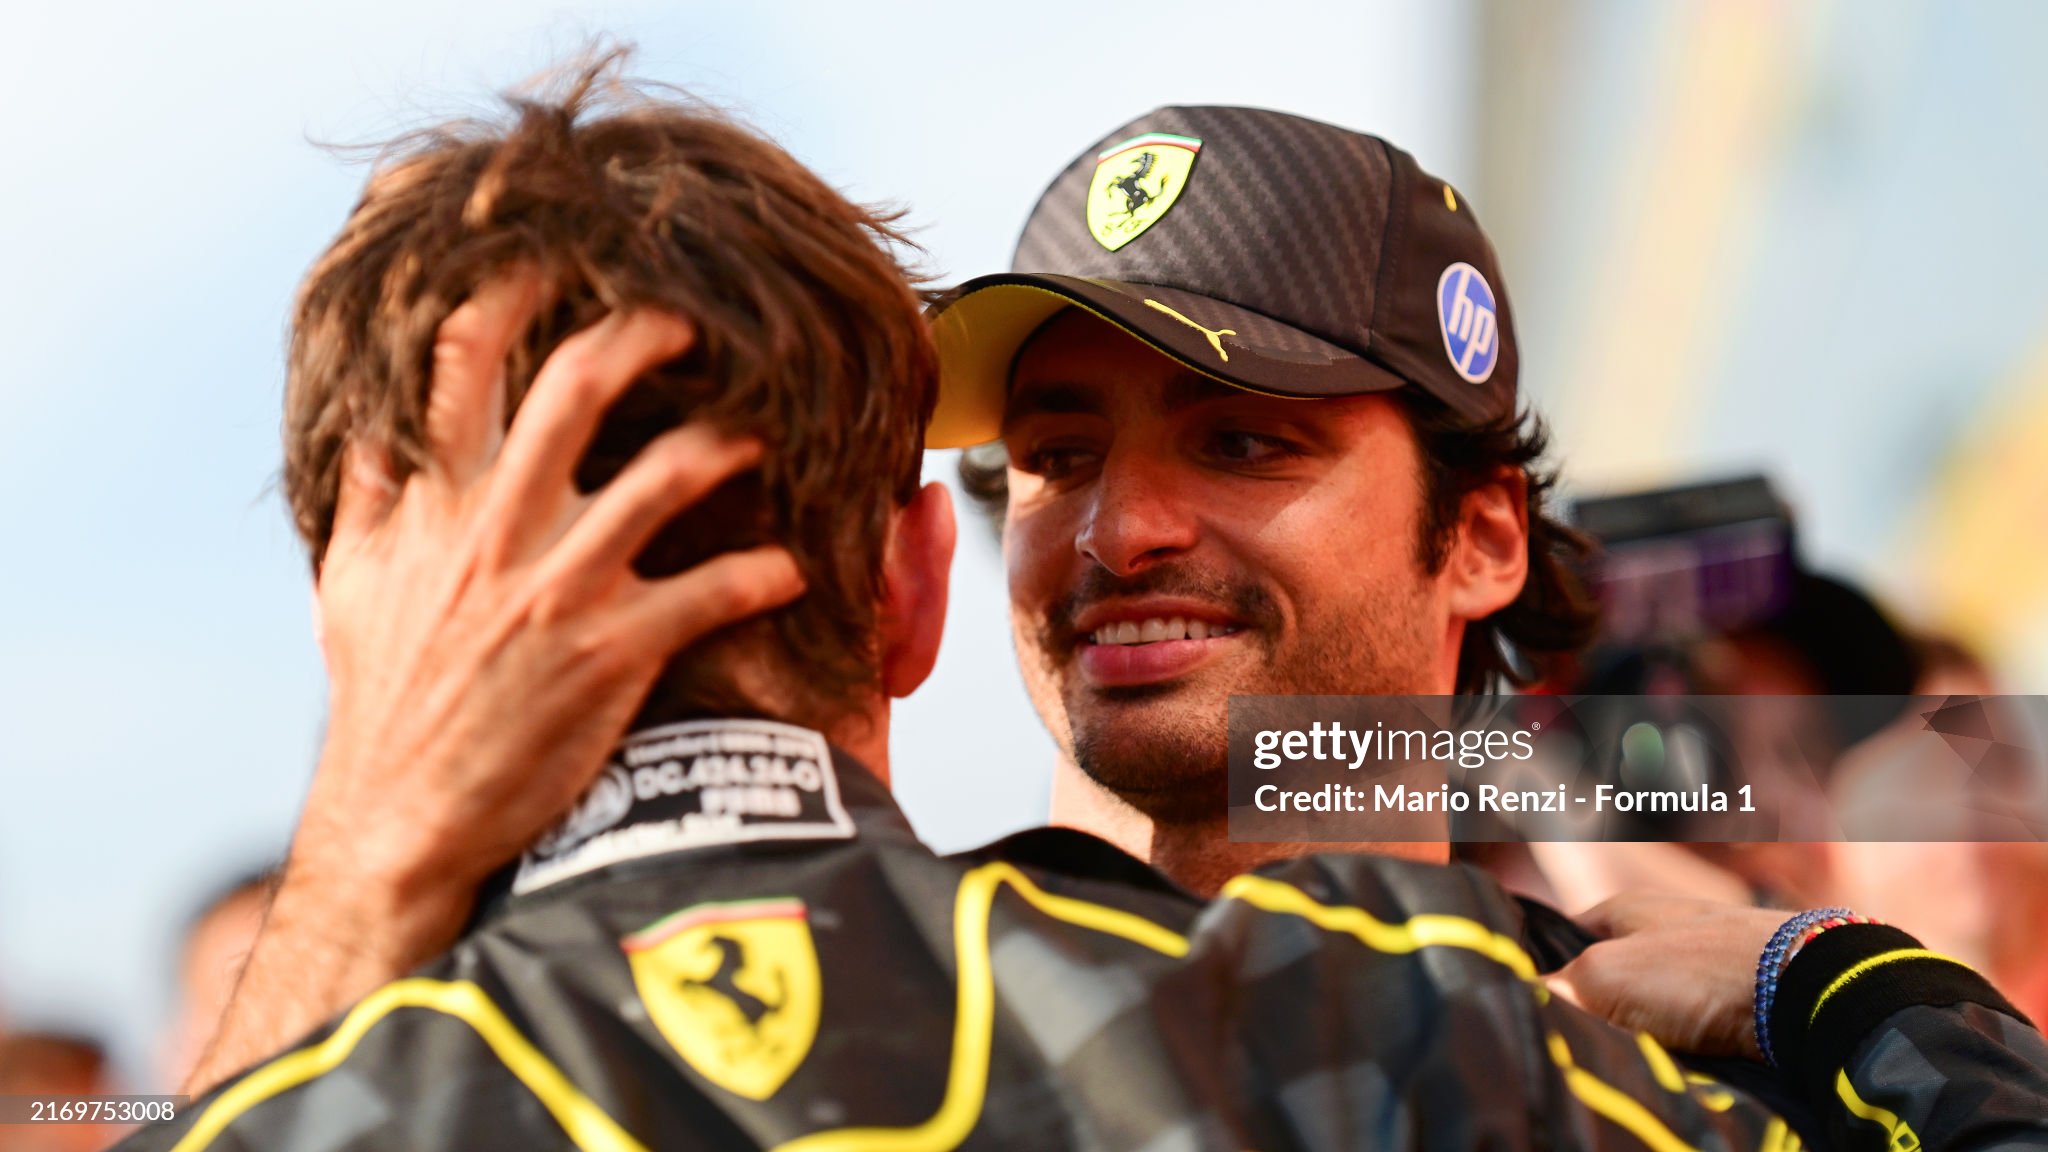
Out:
{"x": 782, "y": 964}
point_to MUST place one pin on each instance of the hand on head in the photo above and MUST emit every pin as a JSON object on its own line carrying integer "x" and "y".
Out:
{"x": 486, "y": 636}
{"x": 488, "y": 642}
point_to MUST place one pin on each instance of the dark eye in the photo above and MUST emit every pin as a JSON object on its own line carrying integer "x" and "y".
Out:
{"x": 1058, "y": 461}
{"x": 1238, "y": 447}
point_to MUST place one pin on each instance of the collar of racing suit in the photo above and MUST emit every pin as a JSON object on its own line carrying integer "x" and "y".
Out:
{"x": 700, "y": 785}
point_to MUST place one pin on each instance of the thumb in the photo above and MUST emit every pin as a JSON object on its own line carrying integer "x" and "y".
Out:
{"x": 1604, "y": 919}
{"x": 1564, "y": 987}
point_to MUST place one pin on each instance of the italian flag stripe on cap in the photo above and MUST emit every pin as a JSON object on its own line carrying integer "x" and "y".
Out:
{"x": 1151, "y": 139}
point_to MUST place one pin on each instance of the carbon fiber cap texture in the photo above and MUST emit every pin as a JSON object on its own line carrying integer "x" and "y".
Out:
{"x": 1321, "y": 245}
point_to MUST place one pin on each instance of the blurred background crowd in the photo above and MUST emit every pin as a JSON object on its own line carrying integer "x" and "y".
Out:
{"x": 1776, "y": 269}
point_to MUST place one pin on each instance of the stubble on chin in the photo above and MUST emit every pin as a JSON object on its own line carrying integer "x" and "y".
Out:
{"x": 1165, "y": 750}
{"x": 1164, "y": 757}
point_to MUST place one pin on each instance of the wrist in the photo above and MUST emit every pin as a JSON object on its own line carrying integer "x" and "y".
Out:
{"x": 329, "y": 938}
{"x": 1791, "y": 936}
{"x": 391, "y": 829}
{"x": 390, "y": 910}
{"x": 1846, "y": 982}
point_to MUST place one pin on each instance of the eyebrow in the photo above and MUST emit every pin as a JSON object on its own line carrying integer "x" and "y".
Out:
{"x": 1188, "y": 389}
{"x": 1185, "y": 390}
{"x": 1054, "y": 397}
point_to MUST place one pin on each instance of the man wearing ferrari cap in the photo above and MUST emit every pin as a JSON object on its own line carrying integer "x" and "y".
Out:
{"x": 1255, "y": 376}
{"x": 1256, "y": 381}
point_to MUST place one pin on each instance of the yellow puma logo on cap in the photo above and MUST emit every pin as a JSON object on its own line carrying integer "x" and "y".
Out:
{"x": 1215, "y": 335}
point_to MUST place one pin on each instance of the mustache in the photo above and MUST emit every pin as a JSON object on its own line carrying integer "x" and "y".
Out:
{"x": 1245, "y": 601}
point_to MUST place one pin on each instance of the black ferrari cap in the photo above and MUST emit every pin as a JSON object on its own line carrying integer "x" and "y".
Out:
{"x": 1273, "y": 253}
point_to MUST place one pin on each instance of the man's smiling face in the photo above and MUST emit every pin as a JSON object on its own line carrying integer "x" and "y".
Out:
{"x": 1172, "y": 540}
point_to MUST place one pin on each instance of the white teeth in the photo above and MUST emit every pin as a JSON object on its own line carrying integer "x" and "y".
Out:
{"x": 1158, "y": 628}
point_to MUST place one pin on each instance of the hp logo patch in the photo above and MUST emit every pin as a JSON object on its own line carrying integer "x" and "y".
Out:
{"x": 1465, "y": 311}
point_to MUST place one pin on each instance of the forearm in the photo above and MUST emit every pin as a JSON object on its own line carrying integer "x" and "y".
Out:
{"x": 329, "y": 940}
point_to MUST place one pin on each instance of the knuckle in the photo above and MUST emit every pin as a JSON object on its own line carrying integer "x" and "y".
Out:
{"x": 584, "y": 382}
{"x": 574, "y": 368}
{"x": 549, "y": 606}
{"x": 489, "y": 548}
{"x": 668, "y": 333}
{"x": 601, "y": 656}
{"x": 743, "y": 588}
{"x": 723, "y": 594}
{"x": 1587, "y": 961}
{"x": 675, "y": 465}
{"x": 460, "y": 331}
{"x": 573, "y": 634}
{"x": 544, "y": 611}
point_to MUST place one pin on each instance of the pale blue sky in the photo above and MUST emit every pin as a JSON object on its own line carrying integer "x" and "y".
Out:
{"x": 1886, "y": 284}
{"x": 1873, "y": 312}
{"x": 160, "y": 697}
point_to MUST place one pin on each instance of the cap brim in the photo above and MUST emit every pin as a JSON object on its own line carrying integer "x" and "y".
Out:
{"x": 980, "y": 329}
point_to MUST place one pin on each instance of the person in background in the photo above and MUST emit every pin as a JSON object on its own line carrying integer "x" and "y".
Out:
{"x": 54, "y": 1064}
{"x": 212, "y": 950}
{"x": 1984, "y": 901}
{"x": 1703, "y": 591}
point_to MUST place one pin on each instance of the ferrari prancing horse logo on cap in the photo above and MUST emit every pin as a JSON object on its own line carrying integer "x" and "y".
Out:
{"x": 1135, "y": 183}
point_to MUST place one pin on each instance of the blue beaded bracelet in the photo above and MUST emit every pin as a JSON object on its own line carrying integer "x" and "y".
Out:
{"x": 1771, "y": 965}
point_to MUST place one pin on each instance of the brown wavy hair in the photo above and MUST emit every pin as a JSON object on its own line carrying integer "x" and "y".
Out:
{"x": 1554, "y": 617}
{"x": 810, "y": 335}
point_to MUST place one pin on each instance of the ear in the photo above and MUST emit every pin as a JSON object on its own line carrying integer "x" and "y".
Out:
{"x": 916, "y": 576}
{"x": 1489, "y": 560}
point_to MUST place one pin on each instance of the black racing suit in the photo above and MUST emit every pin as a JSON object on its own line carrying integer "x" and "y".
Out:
{"x": 736, "y": 941}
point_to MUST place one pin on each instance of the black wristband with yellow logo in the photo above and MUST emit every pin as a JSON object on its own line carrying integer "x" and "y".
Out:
{"x": 1849, "y": 980}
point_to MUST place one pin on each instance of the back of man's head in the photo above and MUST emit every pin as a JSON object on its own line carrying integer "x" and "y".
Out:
{"x": 809, "y": 337}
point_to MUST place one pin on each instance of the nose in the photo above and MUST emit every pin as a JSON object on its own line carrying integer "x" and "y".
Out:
{"x": 1139, "y": 516}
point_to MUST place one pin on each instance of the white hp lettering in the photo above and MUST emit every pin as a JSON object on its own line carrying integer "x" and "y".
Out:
{"x": 1472, "y": 324}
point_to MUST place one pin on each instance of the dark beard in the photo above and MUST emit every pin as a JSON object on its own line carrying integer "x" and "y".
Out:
{"x": 1172, "y": 781}
{"x": 1158, "y": 776}
{"x": 1178, "y": 771}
